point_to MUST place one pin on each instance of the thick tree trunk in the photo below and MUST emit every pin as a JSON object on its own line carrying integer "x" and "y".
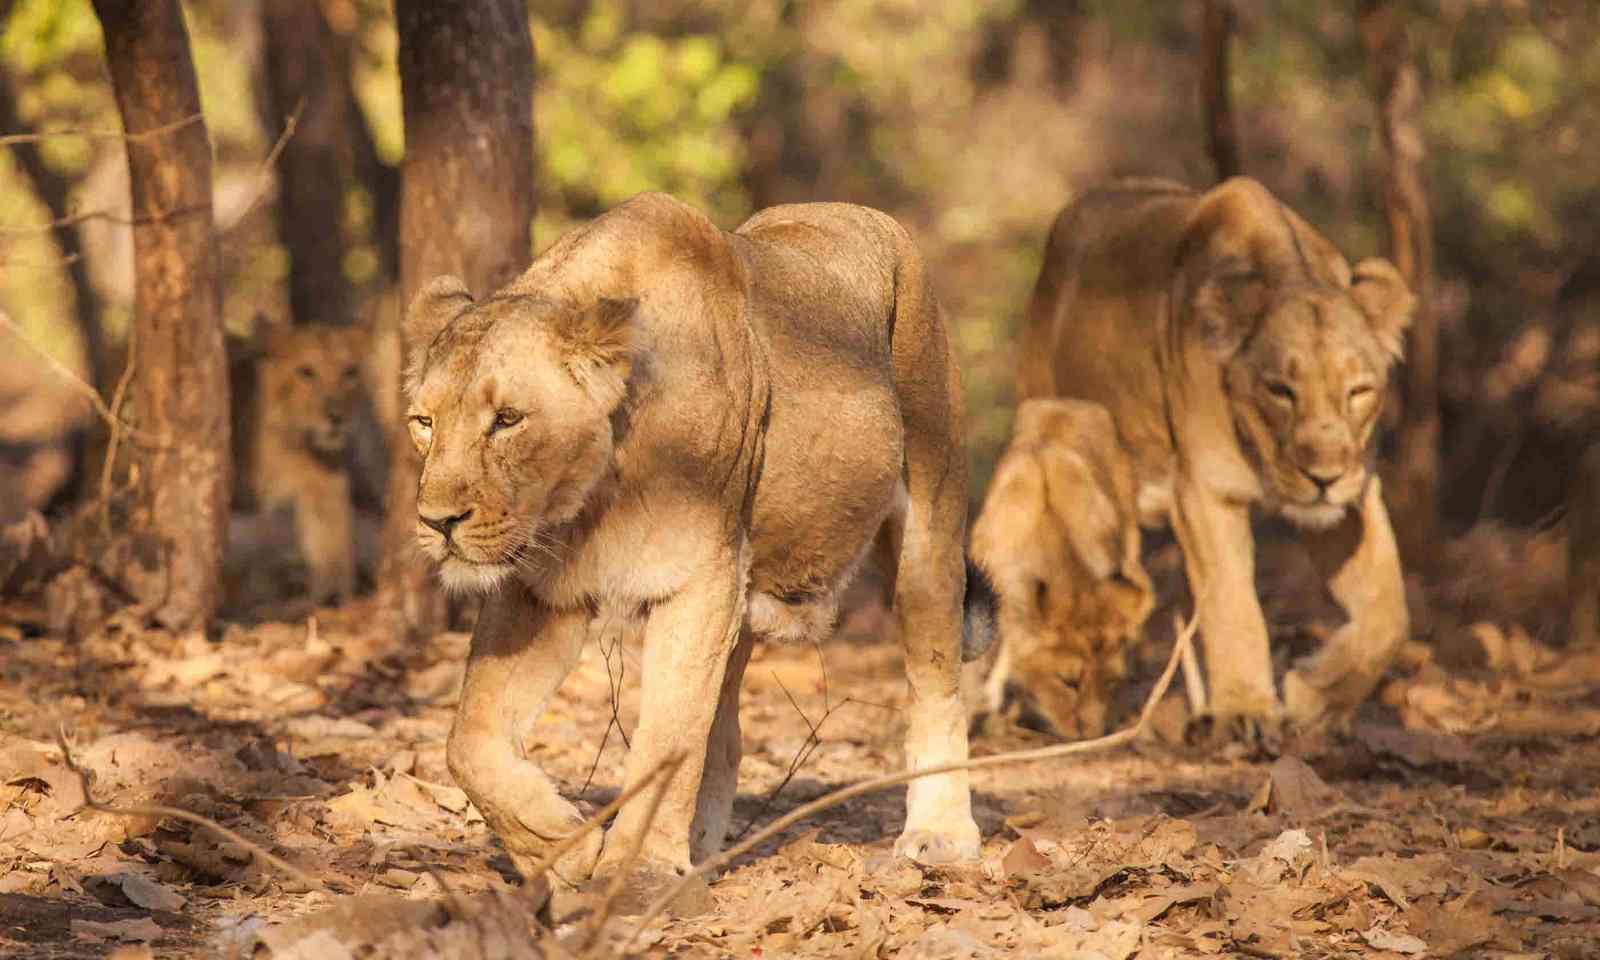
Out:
{"x": 311, "y": 199}
{"x": 177, "y": 517}
{"x": 1397, "y": 89}
{"x": 1216, "y": 97}
{"x": 466, "y": 204}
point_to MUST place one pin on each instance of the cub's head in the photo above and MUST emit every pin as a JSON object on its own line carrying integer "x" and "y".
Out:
{"x": 1059, "y": 535}
{"x": 311, "y": 385}
{"x": 1305, "y": 343}
{"x": 511, "y": 404}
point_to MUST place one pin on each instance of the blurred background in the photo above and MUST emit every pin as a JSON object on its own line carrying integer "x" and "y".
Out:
{"x": 972, "y": 122}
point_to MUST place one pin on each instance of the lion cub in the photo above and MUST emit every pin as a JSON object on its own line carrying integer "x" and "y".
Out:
{"x": 308, "y": 393}
{"x": 1059, "y": 536}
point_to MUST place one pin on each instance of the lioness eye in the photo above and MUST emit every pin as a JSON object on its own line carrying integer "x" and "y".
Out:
{"x": 425, "y": 423}
{"x": 1281, "y": 390}
{"x": 1360, "y": 390}
{"x": 506, "y": 418}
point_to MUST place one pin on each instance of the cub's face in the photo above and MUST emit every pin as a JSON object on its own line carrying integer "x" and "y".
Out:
{"x": 511, "y": 412}
{"x": 1306, "y": 391}
{"x": 1073, "y": 668}
{"x": 311, "y": 384}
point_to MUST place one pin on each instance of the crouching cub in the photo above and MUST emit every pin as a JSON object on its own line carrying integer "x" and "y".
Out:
{"x": 697, "y": 434}
{"x": 1059, "y": 536}
{"x": 1244, "y": 362}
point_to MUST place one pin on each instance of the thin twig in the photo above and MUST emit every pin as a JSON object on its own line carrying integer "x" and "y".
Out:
{"x": 12, "y": 139}
{"x": 876, "y": 784}
{"x": 619, "y": 879}
{"x": 177, "y": 813}
{"x": 118, "y": 395}
{"x": 263, "y": 173}
{"x": 605, "y": 813}
{"x": 79, "y": 385}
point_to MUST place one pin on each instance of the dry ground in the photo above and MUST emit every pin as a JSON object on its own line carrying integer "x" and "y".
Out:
{"x": 1458, "y": 818}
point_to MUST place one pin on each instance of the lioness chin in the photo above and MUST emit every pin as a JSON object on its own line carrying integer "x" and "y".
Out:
{"x": 1244, "y": 362}
{"x": 697, "y": 434}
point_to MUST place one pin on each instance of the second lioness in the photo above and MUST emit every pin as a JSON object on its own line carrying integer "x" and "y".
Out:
{"x": 1244, "y": 362}
{"x": 666, "y": 427}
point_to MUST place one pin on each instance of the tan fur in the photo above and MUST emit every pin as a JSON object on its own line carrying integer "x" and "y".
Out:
{"x": 1059, "y": 536}
{"x": 1244, "y": 362}
{"x": 309, "y": 383}
{"x": 668, "y": 428}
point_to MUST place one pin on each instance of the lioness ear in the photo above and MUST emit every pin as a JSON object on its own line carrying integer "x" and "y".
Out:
{"x": 434, "y": 306}
{"x": 601, "y": 334}
{"x": 1227, "y": 305}
{"x": 1383, "y": 296}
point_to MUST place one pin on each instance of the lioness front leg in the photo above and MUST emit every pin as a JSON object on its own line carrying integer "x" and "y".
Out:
{"x": 1219, "y": 557}
{"x": 1361, "y": 564}
{"x": 689, "y": 640}
{"x": 521, "y": 651}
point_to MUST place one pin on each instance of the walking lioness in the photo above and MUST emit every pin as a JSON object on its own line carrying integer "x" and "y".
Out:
{"x": 698, "y": 434}
{"x": 1244, "y": 362}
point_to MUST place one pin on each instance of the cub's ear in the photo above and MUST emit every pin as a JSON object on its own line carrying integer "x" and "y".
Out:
{"x": 599, "y": 336}
{"x": 434, "y": 306}
{"x": 1383, "y": 296}
{"x": 1225, "y": 302}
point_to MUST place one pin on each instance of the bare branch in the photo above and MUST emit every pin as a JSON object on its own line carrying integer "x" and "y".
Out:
{"x": 11, "y": 139}
{"x": 83, "y": 389}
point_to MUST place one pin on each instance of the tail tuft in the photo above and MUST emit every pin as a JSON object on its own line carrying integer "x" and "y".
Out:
{"x": 978, "y": 614}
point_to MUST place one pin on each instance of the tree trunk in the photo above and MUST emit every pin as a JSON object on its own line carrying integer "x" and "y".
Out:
{"x": 1398, "y": 92}
{"x": 311, "y": 199}
{"x": 178, "y": 507}
{"x": 1222, "y": 131}
{"x": 466, "y": 205}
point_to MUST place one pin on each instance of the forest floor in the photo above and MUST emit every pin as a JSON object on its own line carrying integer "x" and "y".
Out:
{"x": 1458, "y": 817}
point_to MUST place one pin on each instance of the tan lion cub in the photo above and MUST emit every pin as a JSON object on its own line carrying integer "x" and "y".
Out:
{"x": 308, "y": 390}
{"x": 1059, "y": 536}
{"x": 698, "y": 434}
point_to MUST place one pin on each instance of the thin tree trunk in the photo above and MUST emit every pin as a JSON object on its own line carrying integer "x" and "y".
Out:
{"x": 53, "y": 191}
{"x": 1397, "y": 89}
{"x": 311, "y": 199}
{"x": 466, "y": 205}
{"x": 178, "y": 510}
{"x": 1216, "y": 97}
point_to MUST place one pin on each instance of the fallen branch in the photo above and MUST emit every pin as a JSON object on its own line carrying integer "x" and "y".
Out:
{"x": 178, "y": 813}
{"x": 1121, "y": 737}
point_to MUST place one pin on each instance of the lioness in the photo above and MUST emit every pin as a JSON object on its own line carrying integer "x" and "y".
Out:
{"x": 1244, "y": 362}
{"x": 664, "y": 426}
{"x": 308, "y": 391}
{"x": 1059, "y": 536}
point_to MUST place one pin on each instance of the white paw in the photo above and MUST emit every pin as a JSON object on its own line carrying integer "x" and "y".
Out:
{"x": 940, "y": 846}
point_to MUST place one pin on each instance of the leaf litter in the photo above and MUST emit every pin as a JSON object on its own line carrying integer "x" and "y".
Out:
{"x": 1455, "y": 818}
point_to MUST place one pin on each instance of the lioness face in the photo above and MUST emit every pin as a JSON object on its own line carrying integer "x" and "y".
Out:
{"x": 511, "y": 413}
{"x": 1306, "y": 391}
{"x": 311, "y": 384}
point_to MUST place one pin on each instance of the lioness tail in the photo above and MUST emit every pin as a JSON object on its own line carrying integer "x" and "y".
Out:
{"x": 978, "y": 614}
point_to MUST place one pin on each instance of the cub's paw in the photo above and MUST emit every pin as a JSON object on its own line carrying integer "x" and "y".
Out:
{"x": 940, "y": 846}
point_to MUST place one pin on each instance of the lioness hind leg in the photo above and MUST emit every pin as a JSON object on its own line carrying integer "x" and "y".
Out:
{"x": 1361, "y": 564}
{"x": 521, "y": 652}
{"x": 930, "y": 571}
{"x": 720, "y": 782}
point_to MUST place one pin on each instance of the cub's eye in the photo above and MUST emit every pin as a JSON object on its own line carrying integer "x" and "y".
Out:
{"x": 1280, "y": 391}
{"x": 305, "y": 372}
{"x": 349, "y": 373}
{"x": 505, "y": 417}
{"x": 1361, "y": 391}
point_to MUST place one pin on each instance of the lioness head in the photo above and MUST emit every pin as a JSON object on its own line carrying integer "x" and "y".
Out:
{"x": 511, "y": 404}
{"x": 1305, "y": 342}
{"x": 311, "y": 386}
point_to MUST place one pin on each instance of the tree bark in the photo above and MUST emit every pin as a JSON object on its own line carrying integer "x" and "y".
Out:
{"x": 311, "y": 199}
{"x": 178, "y": 506}
{"x": 1397, "y": 89}
{"x": 466, "y": 206}
{"x": 1216, "y": 97}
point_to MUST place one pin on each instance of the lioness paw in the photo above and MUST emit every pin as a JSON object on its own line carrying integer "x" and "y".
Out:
{"x": 1255, "y": 736}
{"x": 940, "y": 846}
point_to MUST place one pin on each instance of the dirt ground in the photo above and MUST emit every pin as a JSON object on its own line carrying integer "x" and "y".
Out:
{"x": 1457, "y": 817}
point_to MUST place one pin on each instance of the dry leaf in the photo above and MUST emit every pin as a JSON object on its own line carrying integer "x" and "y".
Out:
{"x": 1398, "y": 942}
{"x": 147, "y": 893}
{"x": 143, "y": 929}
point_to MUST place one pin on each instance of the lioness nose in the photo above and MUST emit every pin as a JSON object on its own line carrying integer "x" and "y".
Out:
{"x": 1323, "y": 477}
{"x": 443, "y": 524}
